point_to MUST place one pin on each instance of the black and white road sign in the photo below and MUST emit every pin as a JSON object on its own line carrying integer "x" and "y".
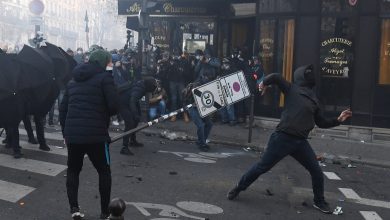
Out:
{"x": 235, "y": 87}
{"x": 209, "y": 97}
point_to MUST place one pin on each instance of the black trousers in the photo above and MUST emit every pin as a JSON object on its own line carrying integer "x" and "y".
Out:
{"x": 39, "y": 128}
{"x": 99, "y": 155}
{"x": 279, "y": 146}
{"x": 130, "y": 123}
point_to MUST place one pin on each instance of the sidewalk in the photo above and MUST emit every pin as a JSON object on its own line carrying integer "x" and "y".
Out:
{"x": 332, "y": 150}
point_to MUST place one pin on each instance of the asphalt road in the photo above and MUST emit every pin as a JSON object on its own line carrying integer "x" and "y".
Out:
{"x": 168, "y": 180}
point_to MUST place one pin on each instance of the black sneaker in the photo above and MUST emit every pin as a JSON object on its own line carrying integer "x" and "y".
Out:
{"x": 32, "y": 141}
{"x": 204, "y": 148}
{"x": 4, "y": 141}
{"x": 323, "y": 207}
{"x": 76, "y": 214}
{"x": 232, "y": 194}
{"x": 44, "y": 147}
{"x": 126, "y": 151}
{"x": 17, "y": 155}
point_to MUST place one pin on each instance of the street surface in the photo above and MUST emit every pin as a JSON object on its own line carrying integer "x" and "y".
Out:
{"x": 168, "y": 180}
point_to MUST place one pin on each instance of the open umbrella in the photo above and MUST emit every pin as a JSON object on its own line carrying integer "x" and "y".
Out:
{"x": 11, "y": 110}
{"x": 61, "y": 64}
{"x": 71, "y": 64}
{"x": 37, "y": 67}
{"x": 39, "y": 79}
{"x": 10, "y": 74}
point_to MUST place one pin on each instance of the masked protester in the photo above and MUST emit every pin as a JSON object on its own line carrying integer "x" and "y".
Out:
{"x": 302, "y": 111}
{"x": 203, "y": 125}
{"x": 79, "y": 56}
{"x": 176, "y": 78}
{"x": 131, "y": 111}
{"x": 90, "y": 100}
{"x": 227, "y": 113}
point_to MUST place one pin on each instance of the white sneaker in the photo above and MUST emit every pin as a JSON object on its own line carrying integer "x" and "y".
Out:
{"x": 207, "y": 141}
{"x": 116, "y": 123}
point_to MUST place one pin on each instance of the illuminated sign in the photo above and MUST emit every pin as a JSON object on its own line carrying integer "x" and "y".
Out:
{"x": 336, "y": 57}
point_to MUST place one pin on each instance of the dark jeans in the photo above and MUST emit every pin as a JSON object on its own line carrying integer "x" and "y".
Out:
{"x": 176, "y": 89}
{"x": 39, "y": 128}
{"x": 99, "y": 155}
{"x": 130, "y": 123}
{"x": 227, "y": 114}
{"x": 203, "y": 125}
{"x": 279, "y": 146}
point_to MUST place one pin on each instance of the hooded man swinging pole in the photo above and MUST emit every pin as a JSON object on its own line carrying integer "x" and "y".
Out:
{"x": 301, "y": 113}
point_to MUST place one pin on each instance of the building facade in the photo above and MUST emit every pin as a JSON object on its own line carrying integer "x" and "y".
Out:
{"x": 62, "y": 22}
{"x": 347, "y": 41}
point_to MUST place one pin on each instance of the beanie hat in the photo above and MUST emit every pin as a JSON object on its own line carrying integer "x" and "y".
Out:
{"x": 100, "y": 57}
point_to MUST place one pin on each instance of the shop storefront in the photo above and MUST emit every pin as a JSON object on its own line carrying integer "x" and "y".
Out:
{"x": 348, "y": 41}
{"x": 176, "y": 25}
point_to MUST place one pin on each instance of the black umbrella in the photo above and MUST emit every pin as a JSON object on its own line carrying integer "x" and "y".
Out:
{"x": 71, "y": 64}
{"x": 11, "y": 110}
{"x": 10, "y": 74}
{"x": 37, "y": 67}
{"x": 61, "y": 64}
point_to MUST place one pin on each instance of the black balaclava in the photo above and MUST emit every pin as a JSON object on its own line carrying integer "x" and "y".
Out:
{"x": 150, "y": 84}
{"x": 304, "y": 76}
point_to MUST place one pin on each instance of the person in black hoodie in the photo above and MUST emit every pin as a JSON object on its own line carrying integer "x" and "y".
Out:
{"x": 301, "y": 113}
{"x": 89, "y": 101}
{"x": 130, "y": 110}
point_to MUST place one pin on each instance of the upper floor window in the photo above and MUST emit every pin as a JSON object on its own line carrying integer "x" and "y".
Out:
{"x": 334, "y": 6}
{"x": 270, "y": 6}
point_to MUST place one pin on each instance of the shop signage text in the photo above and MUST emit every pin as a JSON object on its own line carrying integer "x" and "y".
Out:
{"x": 267, "y": 48}
{"x": 336, "y": 57}
{"x": 132, "y": 7}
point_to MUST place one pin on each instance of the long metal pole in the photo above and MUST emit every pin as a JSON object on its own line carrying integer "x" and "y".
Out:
{"x": 150, "y": 123}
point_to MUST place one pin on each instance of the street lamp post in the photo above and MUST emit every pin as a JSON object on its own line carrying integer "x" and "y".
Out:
{"x": 143, "y": 17}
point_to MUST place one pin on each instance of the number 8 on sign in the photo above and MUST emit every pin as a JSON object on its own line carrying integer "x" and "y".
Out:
{"x": 207, "y": 99}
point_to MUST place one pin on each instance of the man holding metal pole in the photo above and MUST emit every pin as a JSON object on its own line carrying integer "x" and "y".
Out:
{"x": 90, "y": 100}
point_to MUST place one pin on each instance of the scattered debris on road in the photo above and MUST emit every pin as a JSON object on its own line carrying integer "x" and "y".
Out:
{"x": 338, "y": 211}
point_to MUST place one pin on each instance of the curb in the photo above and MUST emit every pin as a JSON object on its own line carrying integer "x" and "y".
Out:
{"x": 342, "y": 159}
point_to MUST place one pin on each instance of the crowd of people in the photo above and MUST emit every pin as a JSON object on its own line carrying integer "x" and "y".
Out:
{"x": 175, "y": 73}
{"x": 107, "y": 87}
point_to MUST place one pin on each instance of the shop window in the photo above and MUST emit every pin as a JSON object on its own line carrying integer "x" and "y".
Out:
{"x": 334, "y": 6}
{"x": 285, "y": 55}
{"x": 276, "y": 55}
{"x": 385, "y": 6}
{"x": 271, "y": 6}
{"x": 384, "y": 66}
{"x": 336, "y": 62}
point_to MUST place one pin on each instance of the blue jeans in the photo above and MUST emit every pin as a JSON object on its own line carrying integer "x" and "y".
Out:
{"x": 158, "y": 110}
{"x": 227, "y": 114}
{"x": 175, "y": 89}
{"x": 203, "y": 125}
{"x": 279, "y": 146}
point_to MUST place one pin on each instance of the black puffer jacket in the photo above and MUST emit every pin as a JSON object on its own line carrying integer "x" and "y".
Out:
{"x": 131, "y": 97}
{"x": 89, "y": 101}
{"x": 302, "y": 109}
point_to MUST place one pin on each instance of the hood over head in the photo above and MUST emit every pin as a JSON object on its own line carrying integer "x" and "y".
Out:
{"x": 304, "y": 76}
{"x": 86, "y": 71}
{"x": 150, "y": 84}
